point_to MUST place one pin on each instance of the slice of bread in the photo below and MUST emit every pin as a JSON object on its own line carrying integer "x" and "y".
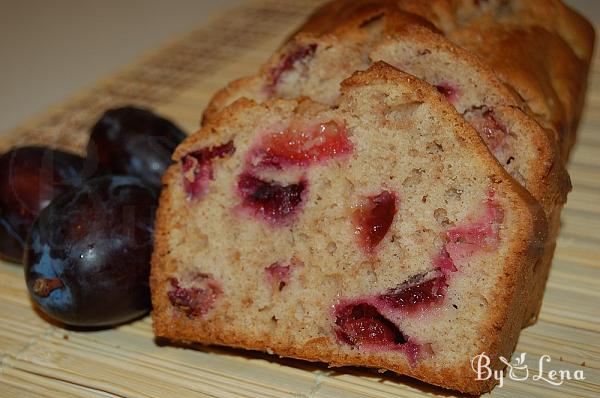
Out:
{"x": 315, "y": 60}
{"x": 540, "y": 48}
{"x": 551, "y": 79}
{"x": 379, "y": 232}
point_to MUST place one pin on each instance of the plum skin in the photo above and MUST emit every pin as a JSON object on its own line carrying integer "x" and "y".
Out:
{"x": 30, "y": 177}
{"x": 133, "y": 141}
{"x": 87, "y": 259}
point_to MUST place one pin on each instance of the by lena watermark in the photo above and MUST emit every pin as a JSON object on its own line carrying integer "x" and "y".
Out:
{"x": 519, "y": 370}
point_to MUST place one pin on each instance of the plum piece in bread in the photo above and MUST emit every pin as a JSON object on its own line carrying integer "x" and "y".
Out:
{"x": 321, "y": 54}
{"x": 379, "y": 232}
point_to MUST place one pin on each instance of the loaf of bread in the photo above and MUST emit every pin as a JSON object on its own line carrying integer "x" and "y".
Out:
{"x": 316, "y": 59}
{"x": 541, "y": 49}
{"x": 380, "y": 233}
{"x": 402, "y": 217}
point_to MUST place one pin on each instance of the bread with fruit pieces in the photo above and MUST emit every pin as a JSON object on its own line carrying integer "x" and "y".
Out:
{"x": 380, "y": 232}
{"x": 315, "y": 60}
{"x": 542, "y": 49}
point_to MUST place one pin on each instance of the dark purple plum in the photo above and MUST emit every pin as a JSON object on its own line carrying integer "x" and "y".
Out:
{"x": 87, "y": 259}
{"x": 133, "y": 141}
{"x": 30, "y": 177}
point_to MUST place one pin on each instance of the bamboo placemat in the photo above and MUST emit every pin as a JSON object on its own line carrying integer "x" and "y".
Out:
{"x": 41, "y": 360}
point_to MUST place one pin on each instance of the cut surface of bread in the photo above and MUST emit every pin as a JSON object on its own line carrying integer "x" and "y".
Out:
{"x": 313, "y": 64}
{"x": 380, "y": 232}
{"x": 540, "y": 48}
{"x": 322, "y": 54}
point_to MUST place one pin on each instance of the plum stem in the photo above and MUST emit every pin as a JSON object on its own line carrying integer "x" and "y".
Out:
{"x": 43, "y": 287}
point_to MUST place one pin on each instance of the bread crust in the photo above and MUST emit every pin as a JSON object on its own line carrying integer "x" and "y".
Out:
{"x": 543, "y": 94}
{"x": 541, "y": 48}
{"x": 498, "y": 334}
{"x": 412, "y": 21}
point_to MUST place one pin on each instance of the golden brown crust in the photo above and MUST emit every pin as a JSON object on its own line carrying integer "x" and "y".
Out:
{"x": 220, "y": 99}
{"x": 553, "y": 92}
{"x": 541, "y": 48}
{"x": 539, "y": 252}
{"x": 550, "y": 88}
{"x": 547, "y": 86}
{"x": 498, "y": 335}
{"x": 549, "y": 181}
